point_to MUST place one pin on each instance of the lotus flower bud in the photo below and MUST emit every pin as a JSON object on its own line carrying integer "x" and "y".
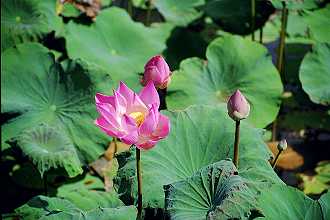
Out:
{"x": 282, "y": 145}
{"x": 238, "y": 107}
{"x": 157, "y": 71}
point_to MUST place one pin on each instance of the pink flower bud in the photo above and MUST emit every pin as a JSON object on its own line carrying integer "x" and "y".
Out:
{"x": 157, "y": 71}
{"x": 238, "y": 107}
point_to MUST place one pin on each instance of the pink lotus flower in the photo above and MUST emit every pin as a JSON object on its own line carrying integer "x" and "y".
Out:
{"x": 131, "y": 117}
{"x": 238, "y": 107}
{"x": 157, "y": 71}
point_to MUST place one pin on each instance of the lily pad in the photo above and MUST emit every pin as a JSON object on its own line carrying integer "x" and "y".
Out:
{"x": 232, "y": 63}
{"x": 214, "y": 192}
{"x": 35, "y": 87}
{"x": 180, "y": 13}
{"x": 200, "y": 135}
{"x": 234, "y": 16}
{"x": 315, "y": 74}
{"x": 317, "y": 21}
{"x": 26, "y": 20}
{"x": 117, "y": 44}
{"x": 50, "y": 148}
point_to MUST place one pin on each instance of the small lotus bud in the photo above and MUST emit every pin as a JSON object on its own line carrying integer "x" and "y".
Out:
{"x": 238, "y": 107}
{"x": 282, "y": 145}
{"x": 157, "y": 71}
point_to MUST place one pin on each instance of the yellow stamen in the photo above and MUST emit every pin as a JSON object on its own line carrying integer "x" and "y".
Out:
{"x": 138, "y": 117}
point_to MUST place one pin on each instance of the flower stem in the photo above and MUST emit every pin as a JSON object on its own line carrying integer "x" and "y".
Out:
{"x": 139, "y": 179}
{"x": 276, "y": 158}
{"x": 45, "y": 184}
{"x": 280, "y": 55}
{"x": 236, "y": 144}
{"x": 149, "y": 5}
{"x": 130, "y": 8}
{"x": 260, "y": 35}
{"x": 253, "y": 15}
{"x": 162, "y": 96}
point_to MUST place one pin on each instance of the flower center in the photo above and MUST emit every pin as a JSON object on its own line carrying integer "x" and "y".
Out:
{"x": 138, "y": 117}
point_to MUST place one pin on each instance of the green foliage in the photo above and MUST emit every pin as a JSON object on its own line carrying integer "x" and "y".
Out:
{"x": 42, "y": 207}
{"x": 200, "y": 135}
{"x": 315, "y": 74}
{"x": 215, "y": 191}
{"x": 232, "y": 63}
{"x": 36, "y": 87}
{"x": 117, "y": 44}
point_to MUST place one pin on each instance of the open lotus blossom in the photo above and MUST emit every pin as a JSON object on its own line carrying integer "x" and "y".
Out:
{"x": 157, "y": 71}
{"x": 131, "y": 117}
{"x": 238, "y": 107}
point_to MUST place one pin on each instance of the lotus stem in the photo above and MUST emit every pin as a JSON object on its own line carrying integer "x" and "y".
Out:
{"x": 276, "y": 158}
{"x": 149, "y": 5}
{"x": 162, "y": 96}
{"x": 116, "y": 146}
{"x": 253, "y": 15}
{"x": 130, "y": 8}
{"x": 280, "y": 55}
{"x": 236, "y": 144}
{"x": 45, "y": 184}
{"x": 260, "y": 35}
{"x": 139, "y": 179}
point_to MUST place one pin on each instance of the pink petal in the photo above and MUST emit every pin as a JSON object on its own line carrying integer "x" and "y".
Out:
{"x": 106, "y": 127}
{"x": 150, "y": 123}
{"x": 149, "y": 95}
{"x": 137, "y": 105}
{"x": 108, "y": 113}
{"x": 163, "y": 127}
{"x": 126, "y": 92}
{"x": 100, "y": 98}
{"x": 151, "y": 73}
{"x": 130, "y": 138}
{"x": 120, "y": 103}
{"x": 146, "y": 145}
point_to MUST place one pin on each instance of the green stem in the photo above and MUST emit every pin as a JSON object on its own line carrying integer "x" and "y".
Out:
{"x": 280, "y": 55}
{"x": 130, "y": 8}
{"x": 253, "y": 15}
{"x": 45, "y": 184}
{"x": 276, "y": 158}
{"x": 149, "y": 4}
{"x": 260, "y": 35}
{"x": 139, "y": 179}
{"x": 236, "y": 144}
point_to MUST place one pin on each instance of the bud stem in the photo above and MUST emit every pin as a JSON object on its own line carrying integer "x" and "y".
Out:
{"x": 149, "y": 5}
{"x": 276, "y": 158}
{"x": 162, "y": 96}
{"x": 236, "y": 147}
{"x": 253, "y": 16}
{"x": 139, "y": 179}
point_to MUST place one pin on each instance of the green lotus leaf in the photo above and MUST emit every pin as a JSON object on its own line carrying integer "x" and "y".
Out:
{"x": 317, "y": 22}
{"x": 232, "y": 63}
{"x": 117, "y": 44}
{"x": 295, "y": 5}
{"x": 47, "y": 208}
{"x": 36, "y": 88}
{"x": 42, "y": 206}
{"x": 315, "y": 74}
{"x": 180, "y": 13}
{"x": 324, "y": 201}
{"x": 200, "y": 135}
{"x": 235, "y": 15}
{"x": 50, "y": 148}
{"x": 26, "y": 20}
{"x": 285, "y": 202}
{"x": 214, "y": 192}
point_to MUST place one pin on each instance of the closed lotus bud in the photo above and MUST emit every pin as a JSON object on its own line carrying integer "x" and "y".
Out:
{"x": 157, "y": 71}
{"x": 282, "y": 145}
{"x": 238, "y": 107}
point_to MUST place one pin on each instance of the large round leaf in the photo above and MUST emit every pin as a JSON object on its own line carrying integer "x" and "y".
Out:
{"x": 26, "y": 20}
{"x": 116, "y": 43}
{"x": 214, "y": 192}
{"x": 315, "y": 74}
{"x": 318, "y": 21}
{"x": 50, "y": 148}
{"x": 180, "y": 13}
{"x": 199, "y": 136}
{"x": 35, "y": 87}
{"x": 235, "y": 15}
{"x": 233, "y": 63}
{"x": 285, "y": 202}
